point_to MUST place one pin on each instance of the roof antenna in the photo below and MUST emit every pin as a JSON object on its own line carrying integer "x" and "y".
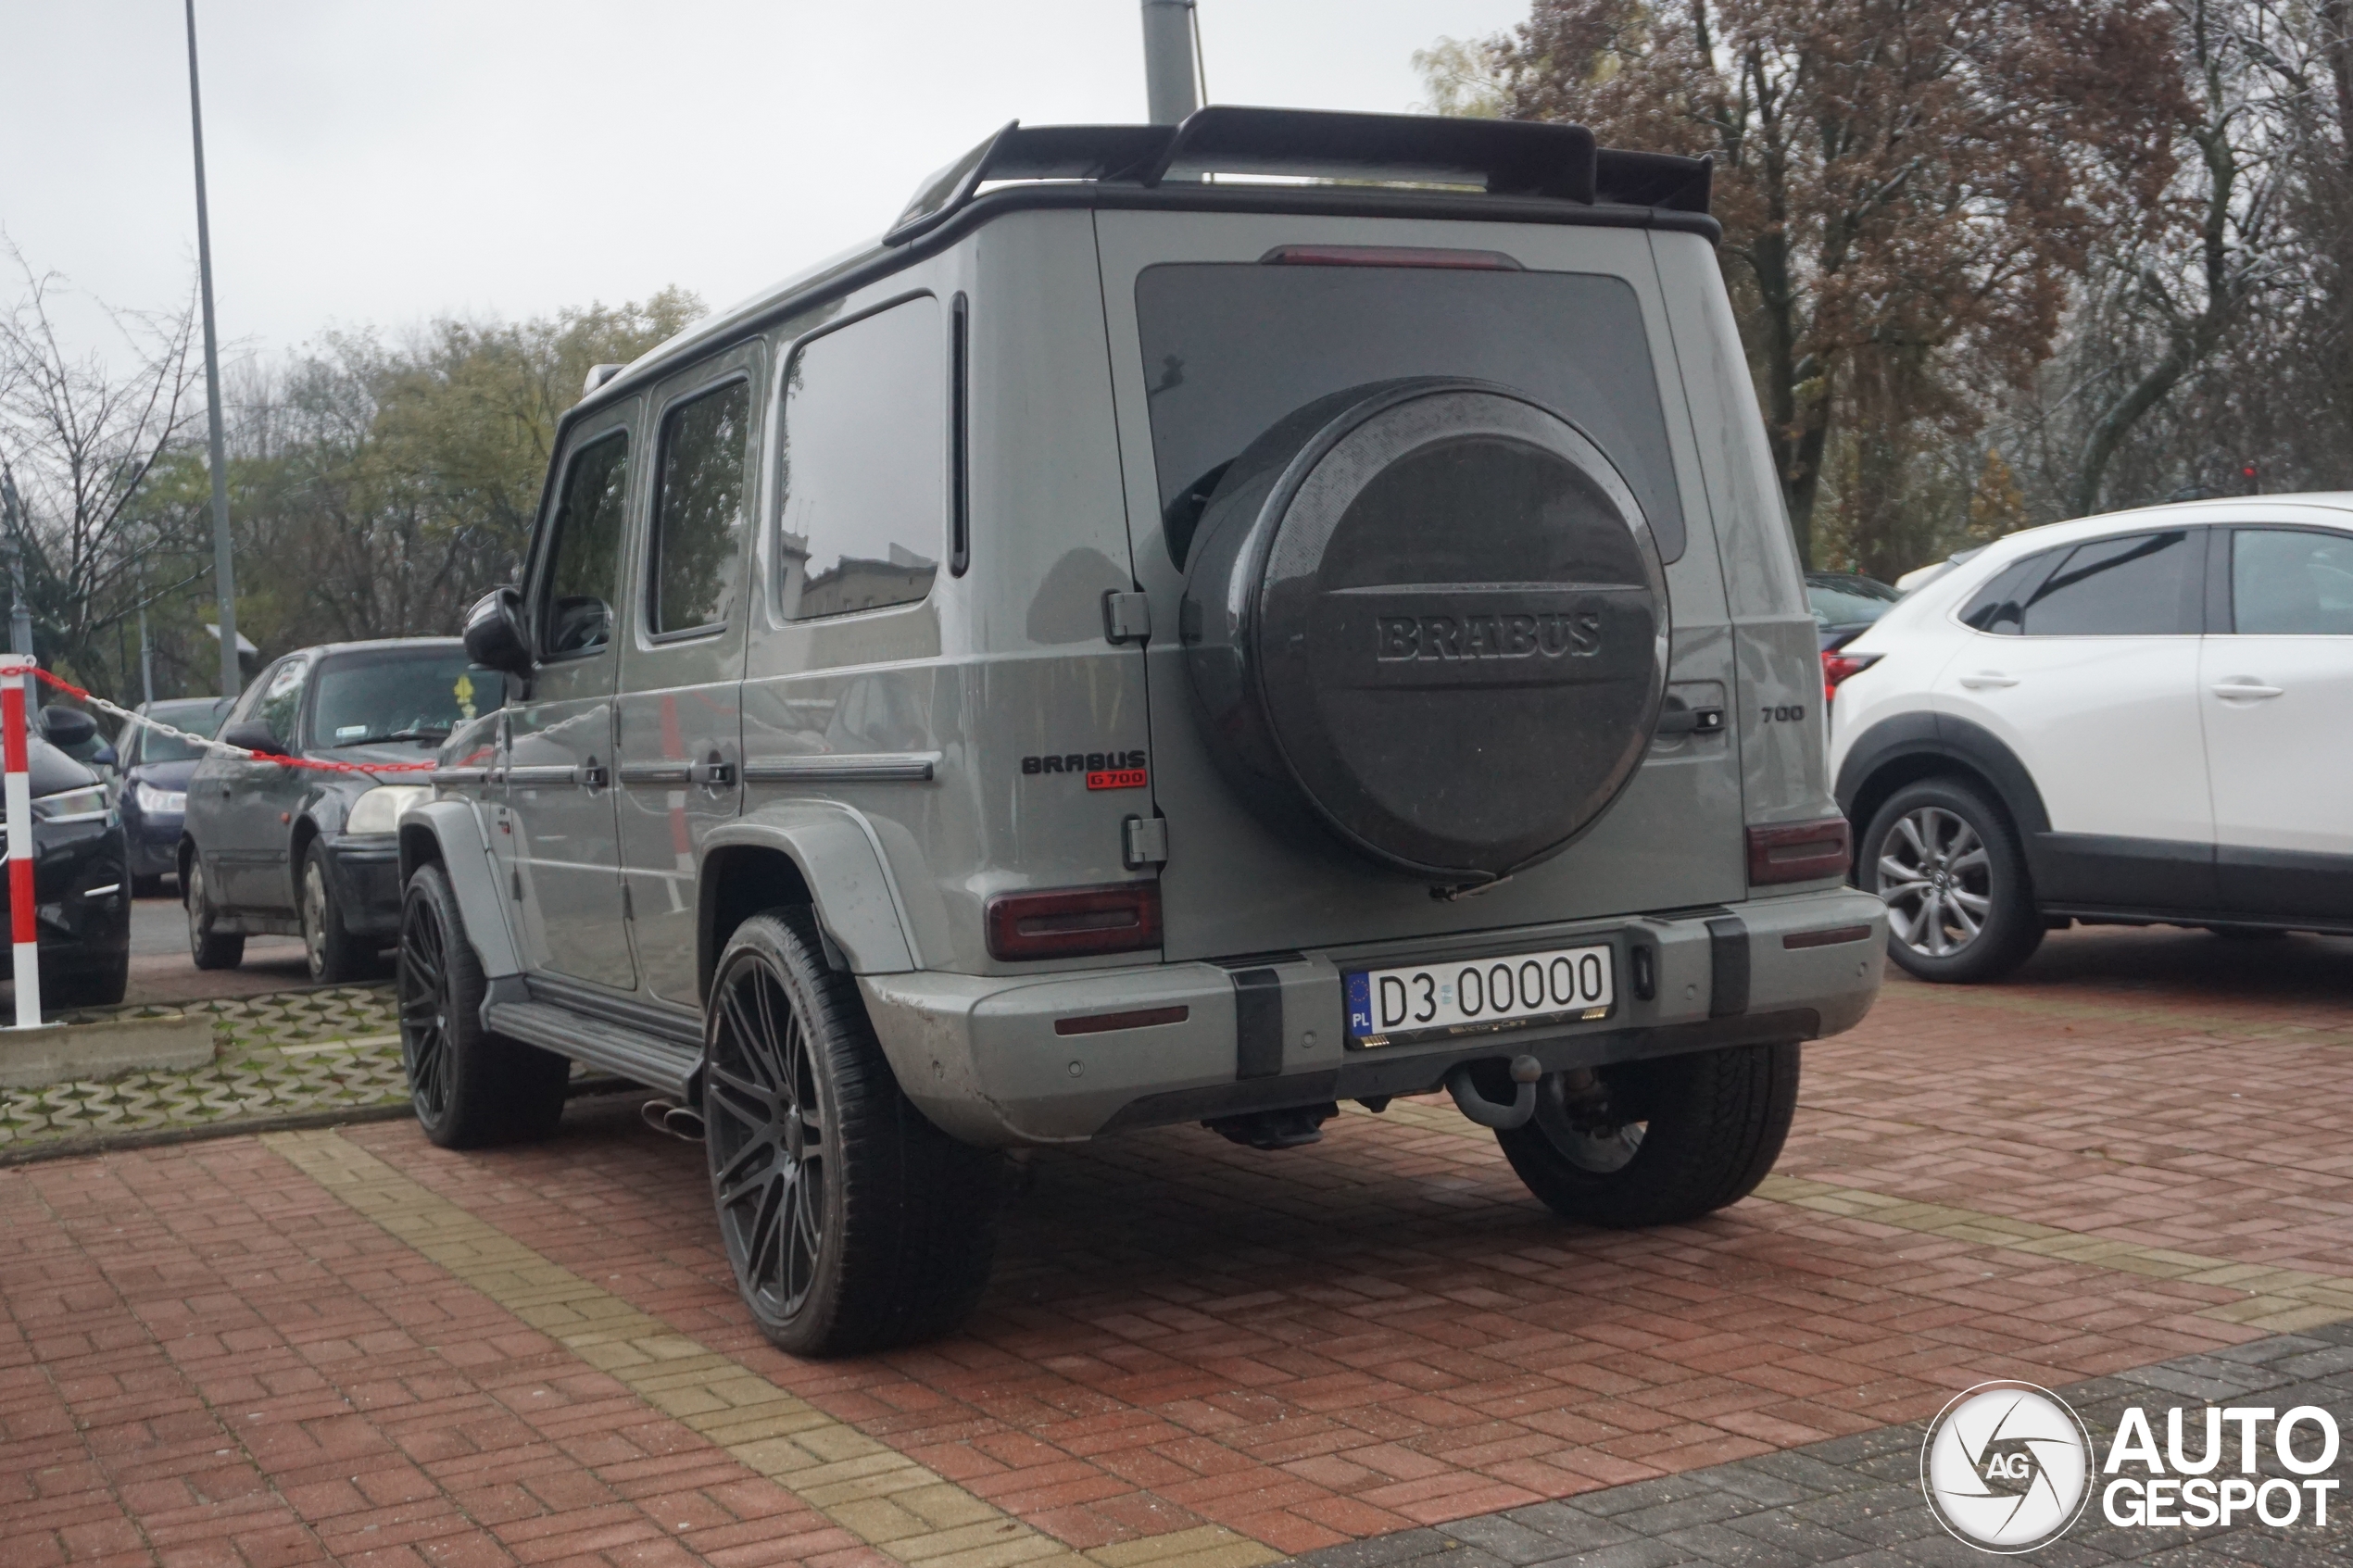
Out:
{"x": 1171, "y": 56}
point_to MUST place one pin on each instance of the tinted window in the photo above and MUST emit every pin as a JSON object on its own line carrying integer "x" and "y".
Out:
{"x": 863, "y": 465}
{"x": 698, "y": 511}
{"x": 2138, "y": 584}
{"x": 196, "y": 718}
{"x": 1230, "y": 350}
{"x": 2286, "y": 582}
{"x": 401, "y": 697}
{"x": 1996, "y": 608}
{"x": 281, "y": 699}
{"x": 576, "y": 612}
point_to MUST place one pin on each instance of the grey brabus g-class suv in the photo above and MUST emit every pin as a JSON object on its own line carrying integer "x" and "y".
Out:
{"x": 1129, "y": 650}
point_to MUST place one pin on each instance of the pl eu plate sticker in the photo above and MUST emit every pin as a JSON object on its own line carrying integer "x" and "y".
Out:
{"x": 1360, "y": 1005}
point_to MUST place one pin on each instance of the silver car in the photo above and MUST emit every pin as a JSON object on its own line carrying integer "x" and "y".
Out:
{"x": 1127, "y": 649}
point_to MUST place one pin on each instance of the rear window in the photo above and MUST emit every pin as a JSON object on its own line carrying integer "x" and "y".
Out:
{"x": 1848, "y": 601}
{"x": 406, "y": 697}
{"x": 1230, "y": 348}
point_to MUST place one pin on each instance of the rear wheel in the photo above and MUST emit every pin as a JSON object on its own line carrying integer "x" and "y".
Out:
{"x": 333, "y": 954}
{"x": 851, "y": 1220}
{"x": 208, "y": 947}
{"x": 471, "y": 1088}
{"x": 1960, "y": 905}
{"x": 1654, "y": 1143}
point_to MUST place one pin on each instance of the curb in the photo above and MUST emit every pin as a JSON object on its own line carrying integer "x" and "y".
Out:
{"x": 76, "y": 1144}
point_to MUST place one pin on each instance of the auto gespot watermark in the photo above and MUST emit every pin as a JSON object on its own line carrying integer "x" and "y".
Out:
{"x": 2008, "y": 1467}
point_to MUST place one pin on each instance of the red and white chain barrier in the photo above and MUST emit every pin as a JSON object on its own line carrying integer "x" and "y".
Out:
{"x": 23, "y": 930}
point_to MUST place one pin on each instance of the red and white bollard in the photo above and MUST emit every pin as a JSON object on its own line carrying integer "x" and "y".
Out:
{"x": 22, "y": 927}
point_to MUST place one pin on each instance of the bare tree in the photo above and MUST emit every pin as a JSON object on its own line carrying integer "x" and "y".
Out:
{"x": 84, "y": 437}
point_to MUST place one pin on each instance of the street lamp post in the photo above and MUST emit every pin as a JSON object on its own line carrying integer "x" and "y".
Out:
{"x": 224, "y": 564}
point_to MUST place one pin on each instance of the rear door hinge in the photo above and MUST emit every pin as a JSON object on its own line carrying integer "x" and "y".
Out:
{"x": 1128, "y": 618}
{"x": 628, "y": 909}
{"x": 1144, "y": 842}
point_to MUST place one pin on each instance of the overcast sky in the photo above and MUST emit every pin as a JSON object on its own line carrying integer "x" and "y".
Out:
{"x": 388, "y": 161}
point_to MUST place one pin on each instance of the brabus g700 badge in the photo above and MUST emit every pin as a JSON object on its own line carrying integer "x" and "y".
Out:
{"x": 1104, "y": 769}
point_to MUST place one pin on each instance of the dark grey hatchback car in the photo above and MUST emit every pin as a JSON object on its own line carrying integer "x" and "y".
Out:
{"x": 274, "y": 849}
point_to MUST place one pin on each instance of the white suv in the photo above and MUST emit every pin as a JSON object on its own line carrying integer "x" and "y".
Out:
{"x": 2144, "y": 718}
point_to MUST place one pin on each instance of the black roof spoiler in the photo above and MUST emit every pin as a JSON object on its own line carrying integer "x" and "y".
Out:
{"x": 1505, "y": 157}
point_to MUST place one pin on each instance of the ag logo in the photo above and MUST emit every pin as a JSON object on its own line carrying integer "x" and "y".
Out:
{"x": 2006, "y": 1467}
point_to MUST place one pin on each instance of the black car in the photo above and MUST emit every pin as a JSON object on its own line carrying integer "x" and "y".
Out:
{"x": 82, "y": 899}
{"x": 155, "y": 785}
{"x": 1845, "y": 602}
{"x": 268, "y": 848}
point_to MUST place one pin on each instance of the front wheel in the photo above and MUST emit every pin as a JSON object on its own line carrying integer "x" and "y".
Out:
{"x": 1960, "y": 905}
{"x": 208, "y": 947}
{"x": 332, "y": 953}
{"x": 852, "y": 1221}
{"x": 471, "y": 1088}
{"x": 1658, "y": 1142}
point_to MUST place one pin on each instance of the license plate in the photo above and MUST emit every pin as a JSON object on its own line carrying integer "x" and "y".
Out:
{"x": 1480, "y": 995}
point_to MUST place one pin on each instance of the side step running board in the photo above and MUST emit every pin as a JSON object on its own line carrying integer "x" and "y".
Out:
{"x": 644, "y": 1059}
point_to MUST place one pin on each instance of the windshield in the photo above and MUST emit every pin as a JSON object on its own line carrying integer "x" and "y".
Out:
{"x": 196, "y": 718}
{"x": 399, "y": 697}
{"x": 1848, "y": 601}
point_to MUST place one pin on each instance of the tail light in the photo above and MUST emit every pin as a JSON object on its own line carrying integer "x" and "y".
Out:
{"x": 1072, "y": 922}
{"x": 1839, "y": 667}
{"x": 1797, "y": 851}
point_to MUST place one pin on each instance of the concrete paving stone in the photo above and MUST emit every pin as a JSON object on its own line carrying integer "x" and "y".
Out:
{"x": 1738, "y": 1549}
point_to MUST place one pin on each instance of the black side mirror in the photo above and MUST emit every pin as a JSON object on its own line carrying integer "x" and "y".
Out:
{"x": 67, "y": 727}
{"x": 494, "y": 633}
{"x": 252, "y": 735}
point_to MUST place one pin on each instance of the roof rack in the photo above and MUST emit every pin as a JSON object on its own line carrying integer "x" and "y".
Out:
{"x": 1505, "y": 157}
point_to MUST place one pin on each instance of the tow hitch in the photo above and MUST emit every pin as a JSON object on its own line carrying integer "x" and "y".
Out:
{"x": 1526, "y": 1070}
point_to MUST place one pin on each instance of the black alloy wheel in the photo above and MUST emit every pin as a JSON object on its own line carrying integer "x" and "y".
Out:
{"x": 424, "y": 990}
{"x": 851, "y": 1220}
{"x": 765, "y": 1123}
{"x": 470, "y": 1087}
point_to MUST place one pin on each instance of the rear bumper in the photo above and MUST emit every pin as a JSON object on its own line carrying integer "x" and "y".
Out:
{"x": 983, "y": 1058}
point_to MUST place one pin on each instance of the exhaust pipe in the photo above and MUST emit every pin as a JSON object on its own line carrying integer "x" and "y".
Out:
{"x": 1526, "y": 1070}
{"x": 672, "y": 1120}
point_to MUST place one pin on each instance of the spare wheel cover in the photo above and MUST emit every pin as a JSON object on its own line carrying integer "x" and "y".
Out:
{"x": 1445, "y": 618}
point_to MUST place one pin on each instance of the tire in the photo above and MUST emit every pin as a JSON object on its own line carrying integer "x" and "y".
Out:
{"x": 1960, "y": 905}
{"x": 209, "y": 948}
{"x": 99, "y": 988}
{"x": 1699, "y": 1133}
{"x": 335, "y": 956}
{"x": 852, "y": 1221}
{"x": 471, "y": 1088}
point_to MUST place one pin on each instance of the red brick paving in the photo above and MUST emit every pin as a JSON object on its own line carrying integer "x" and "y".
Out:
{"x": 1309, "y": 1347}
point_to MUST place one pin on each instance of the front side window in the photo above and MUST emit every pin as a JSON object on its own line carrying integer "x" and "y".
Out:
{"x": 863, "y": 465}
{"x": 281, "y": 700}
{"x": 699, "y": 512}
{"x": 2291, "y": 583}
{"x": 583, "y": 565}
{"x": 2139, "y": 584}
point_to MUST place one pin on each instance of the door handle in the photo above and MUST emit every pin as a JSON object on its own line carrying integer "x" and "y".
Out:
{"x": 2252, "y": 689}
{"x": 591, "y": 775}
{"x": 1984, "y": 678}
{"x": 712, "y": 774}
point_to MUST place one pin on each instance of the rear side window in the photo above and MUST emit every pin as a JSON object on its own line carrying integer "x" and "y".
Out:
{"x": 2139, "y": 584}
{"x": 2291, "y": 583}
{"x": 699, "y": 512}
{"x": 1230, "y": 349}
{"x": 585, "y": 564}
{"x": 1999, "y": 606}
{"x": 863, "y": 465}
